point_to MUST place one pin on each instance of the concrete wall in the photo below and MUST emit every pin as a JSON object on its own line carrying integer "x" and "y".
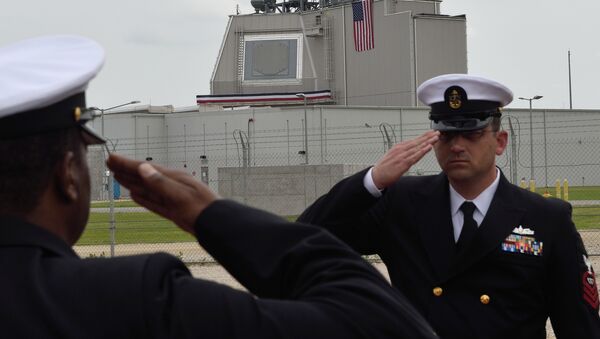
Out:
{"x": 565, "y": 142}
{"x": 283, "y": 190}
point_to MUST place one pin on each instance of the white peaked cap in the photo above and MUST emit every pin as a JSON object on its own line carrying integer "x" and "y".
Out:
{"x": 43, "y": 81}
{"x": 476, "y": 87}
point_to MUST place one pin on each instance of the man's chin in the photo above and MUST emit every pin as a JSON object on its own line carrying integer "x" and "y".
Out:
{"x": 458, "y": 174}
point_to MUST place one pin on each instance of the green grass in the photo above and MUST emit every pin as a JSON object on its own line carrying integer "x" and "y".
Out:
{"x": 587, "y": 217}
{"x": 135, "y": 228}
{"x": 146, "y": 227}
{"x": 132, "y": 228}
{"x": 118, "y": 203}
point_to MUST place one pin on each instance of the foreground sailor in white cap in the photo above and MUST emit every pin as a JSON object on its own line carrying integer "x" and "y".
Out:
{"x": 308, "y": 284}
{"x": 478, "y": 256}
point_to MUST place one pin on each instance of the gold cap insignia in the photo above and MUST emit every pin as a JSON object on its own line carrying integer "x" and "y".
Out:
{"x": 454, "y": 99}
{"x": 77, "y": 113}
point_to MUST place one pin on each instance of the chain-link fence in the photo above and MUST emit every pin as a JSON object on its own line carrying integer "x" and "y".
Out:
{"x": 264, "y": 161}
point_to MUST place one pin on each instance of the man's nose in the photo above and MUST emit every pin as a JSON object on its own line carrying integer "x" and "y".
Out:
{"x": 457, "y": 144}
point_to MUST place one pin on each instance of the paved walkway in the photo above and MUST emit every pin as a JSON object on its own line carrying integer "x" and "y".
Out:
{"x": 579, "y": 203}
{"x": 118, "y": 209}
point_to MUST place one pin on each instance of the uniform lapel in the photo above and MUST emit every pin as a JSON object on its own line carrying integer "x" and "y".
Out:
{"x": 502, "y": 217}
{"x": 435, "y": 225}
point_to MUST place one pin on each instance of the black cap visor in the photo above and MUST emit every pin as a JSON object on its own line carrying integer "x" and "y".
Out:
{"x": 90, "y": 137}
{"x": 459, "y": 124}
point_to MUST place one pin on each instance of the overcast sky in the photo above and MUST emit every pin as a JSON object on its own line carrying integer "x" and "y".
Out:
{"x": 163, "y": 52}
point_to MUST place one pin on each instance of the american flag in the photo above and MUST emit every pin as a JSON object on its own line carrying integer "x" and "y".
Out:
{"x": 363, "y": 25}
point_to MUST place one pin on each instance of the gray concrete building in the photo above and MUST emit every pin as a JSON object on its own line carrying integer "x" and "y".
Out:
{"x": 314, "y": 50}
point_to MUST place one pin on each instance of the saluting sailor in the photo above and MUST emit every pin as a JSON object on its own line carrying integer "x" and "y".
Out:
{"x": 478, "y": 256}
{"x": 305, "y": 283}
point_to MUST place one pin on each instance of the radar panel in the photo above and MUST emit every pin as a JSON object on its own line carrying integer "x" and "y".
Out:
{"x": 272, "y": 57}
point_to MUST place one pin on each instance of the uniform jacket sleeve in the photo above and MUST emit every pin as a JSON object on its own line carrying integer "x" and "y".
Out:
{"x": 350, "y": 212}
{"x": 305, "y": 284}
{"x": 573, "y": 295}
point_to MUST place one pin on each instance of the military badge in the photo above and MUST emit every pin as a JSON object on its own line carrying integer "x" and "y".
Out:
{"x": 517, "y": 243}
{"x": 590, "y": 289}
{"x": 455, "y": 97}
{"x": 523, "y": 231}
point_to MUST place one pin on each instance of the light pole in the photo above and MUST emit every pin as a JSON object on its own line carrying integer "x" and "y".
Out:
{"x": 545, "y": 157}
{"x": 536, "y": 97}
{"x": 111, "y": 200}
{"x": 110, "y": 177}
{"x": 102, "y": 110}
{"x": 302, "y": 95}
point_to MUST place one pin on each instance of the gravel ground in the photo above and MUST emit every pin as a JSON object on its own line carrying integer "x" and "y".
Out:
{"x": 203, "y": 266}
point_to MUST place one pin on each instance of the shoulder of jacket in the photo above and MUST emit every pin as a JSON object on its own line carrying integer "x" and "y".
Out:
{"x": 547, "y": 205}
{"x": 136, "y": 265}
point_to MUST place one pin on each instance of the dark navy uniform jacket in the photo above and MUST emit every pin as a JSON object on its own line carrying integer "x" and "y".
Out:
{"x": 526, "y": 263}
{"x": 309, "y": 284}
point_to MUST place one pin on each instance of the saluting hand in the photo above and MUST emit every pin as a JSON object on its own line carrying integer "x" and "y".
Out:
{"x": 400, "y": 158}
{"x": 172, "y": 194}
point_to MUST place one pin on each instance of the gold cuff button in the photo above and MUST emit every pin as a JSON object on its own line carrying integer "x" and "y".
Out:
{"x": 438, "y": 291}
{"x": 485, "y": 299}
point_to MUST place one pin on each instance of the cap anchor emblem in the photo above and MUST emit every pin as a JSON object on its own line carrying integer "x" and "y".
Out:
{"x": 454, "y": 99}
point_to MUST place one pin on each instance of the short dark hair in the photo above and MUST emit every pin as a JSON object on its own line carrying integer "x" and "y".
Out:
{"x": 28, "y": 164}
{"x": 495, "y": 124}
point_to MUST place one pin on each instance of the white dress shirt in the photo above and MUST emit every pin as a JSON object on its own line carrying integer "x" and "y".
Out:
{"x": 482, "y": 201}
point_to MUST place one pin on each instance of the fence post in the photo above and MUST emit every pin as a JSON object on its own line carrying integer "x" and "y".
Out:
{"x": 523, "y": 184}
{"x": 111, "y": 200}
{"x": 557, "y": 185}
{"x": 566, "y": 190}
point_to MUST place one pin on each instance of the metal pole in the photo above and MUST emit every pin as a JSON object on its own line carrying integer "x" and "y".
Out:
{"x": 513, "y": 153}
{"x": 111, "y": 200}
{"x": 535, "y": 97}
{"x": 147, "y": 141}
{"x": 102, "y": 133}
{"x": 305, "y": 133}
{"x": 321, "y": 124}
{"x": 570, "y": 92}
{"x": 287, "y": 127}
{"x": 531, "y": 177}
{"x": 545, "y": 153}
{"x": 102, "y": 122}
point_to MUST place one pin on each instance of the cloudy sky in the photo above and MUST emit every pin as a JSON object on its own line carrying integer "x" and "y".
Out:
{"x": 163, "y": 52}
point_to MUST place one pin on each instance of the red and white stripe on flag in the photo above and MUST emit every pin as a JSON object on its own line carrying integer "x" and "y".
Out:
{"x": 362, "y": 17}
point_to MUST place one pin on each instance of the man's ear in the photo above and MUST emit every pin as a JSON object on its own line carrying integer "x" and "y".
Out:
{"x": 67, "y": 177}
{"x": 501, "y": 141}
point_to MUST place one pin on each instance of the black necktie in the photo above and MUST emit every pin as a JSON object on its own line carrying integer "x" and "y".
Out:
{"x": 469, "y": 226}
